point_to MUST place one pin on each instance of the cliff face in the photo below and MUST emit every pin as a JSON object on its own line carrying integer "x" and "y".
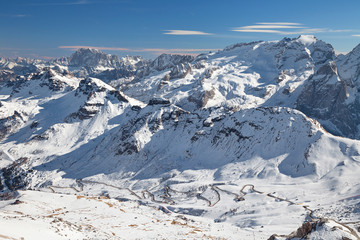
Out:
{"x": 332, "y": 95}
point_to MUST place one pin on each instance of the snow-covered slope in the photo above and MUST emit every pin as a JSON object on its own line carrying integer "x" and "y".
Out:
{"x": 301, "y": 73}
{"x": 227, "y": 137}
{"x": 157, "y": 140}
{"x": 240, "y": 76}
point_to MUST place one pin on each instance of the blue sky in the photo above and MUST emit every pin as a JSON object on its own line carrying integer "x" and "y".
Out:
{"x": 54, "y": 28}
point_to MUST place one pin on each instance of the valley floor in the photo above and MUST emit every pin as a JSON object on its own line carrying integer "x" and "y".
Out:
{"x": 93, "y": 210}
{"x": 41, "y": 215}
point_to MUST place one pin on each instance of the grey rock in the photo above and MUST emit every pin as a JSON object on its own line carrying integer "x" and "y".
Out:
{"x": 324, "y": 98}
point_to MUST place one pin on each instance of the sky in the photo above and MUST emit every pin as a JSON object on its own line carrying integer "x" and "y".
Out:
{"x": 54, "y": 28}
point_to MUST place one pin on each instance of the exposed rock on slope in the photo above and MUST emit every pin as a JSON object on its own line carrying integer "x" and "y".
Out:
{"x": 86, "y": 57}
{"x": 192, "y": 131}
{"x": 279, "y": 141}
{"x": 324, "y": 98}
{"x": 10, "y": 124}
{"x": 94, "y": 63}
{"x": 243, "y": 75}
{"x": 167, "y": 61}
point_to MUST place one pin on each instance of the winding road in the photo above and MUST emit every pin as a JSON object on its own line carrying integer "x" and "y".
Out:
{"x": 167, "y": 199}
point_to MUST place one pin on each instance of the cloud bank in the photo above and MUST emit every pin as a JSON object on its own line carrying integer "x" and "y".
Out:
{"x": 99, "y": 48}
{"x": 179, "y": 51}
{"x": 283, "y": 28}
{"x": 185, "y": 32}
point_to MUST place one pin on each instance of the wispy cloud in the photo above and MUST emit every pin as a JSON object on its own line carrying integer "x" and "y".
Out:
{"x": 23, "y": 52}
{"x": 47, "y": 58}
{"x": 79, "y": 2}
{"x": 99, "y": 48}
{"x": 279, "y": 23}
{"x": 279, "y": 28}
{"x": 64, "y": 3}
{"x": 180, "y": 51}
{"x": 185, "y": 32}
{"x": 274, "y": 26}
{"x": 37, "y": 56}
{"x": 174, "y": 50}
{"x": 14, "y": 15}
{"x": 356, "y": 35}
{"x": 340, "y": 30}
{"x": 19, "y": 15}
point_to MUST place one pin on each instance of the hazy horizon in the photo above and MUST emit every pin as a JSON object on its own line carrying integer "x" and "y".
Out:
{"x": 52, "y": 28}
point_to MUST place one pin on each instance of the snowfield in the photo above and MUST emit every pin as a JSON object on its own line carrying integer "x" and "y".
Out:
{"x": 257, "y": 141}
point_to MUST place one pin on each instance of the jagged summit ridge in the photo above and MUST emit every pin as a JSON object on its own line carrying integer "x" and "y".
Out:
{"x": 87, "y": 57}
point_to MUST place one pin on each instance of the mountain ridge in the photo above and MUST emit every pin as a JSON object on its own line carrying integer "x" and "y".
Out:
{"x": 261, "y": 113}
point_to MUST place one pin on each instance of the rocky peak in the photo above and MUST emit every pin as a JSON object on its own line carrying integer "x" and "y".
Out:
{"x": 95, "y": 63}
{"x": 355, "y": 52}
{"x": 86, "y": 57}
{"x": 318, "y": 50}
{"x": 133, "y": 61}
{"x": 324, "y": 97}
{"x": 64, "y": 61}
{"x": 20, "y": 66}
{"x": 56, "y": 79}
{"x": 349, "y": 67}
{"x": 89, "y": 85}
{"x": 165, "y": 61}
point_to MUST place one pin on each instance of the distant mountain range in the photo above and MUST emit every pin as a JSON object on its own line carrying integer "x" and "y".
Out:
{"x": 277, "y": 110}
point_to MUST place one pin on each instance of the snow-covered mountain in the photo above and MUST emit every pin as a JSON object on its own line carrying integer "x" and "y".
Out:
{"x": 91, "y": 62}
{"x": 299, "y": 73}
{"x": 92, "y": 58}
{"x": 240, "y": 76}
{"x": 13, "y": 69}
{"x": 190, "y": 133}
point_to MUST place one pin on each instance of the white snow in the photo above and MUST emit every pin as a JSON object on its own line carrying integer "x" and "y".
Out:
{"x": 307, "y": 39}
{"x": 228, "y": 158}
